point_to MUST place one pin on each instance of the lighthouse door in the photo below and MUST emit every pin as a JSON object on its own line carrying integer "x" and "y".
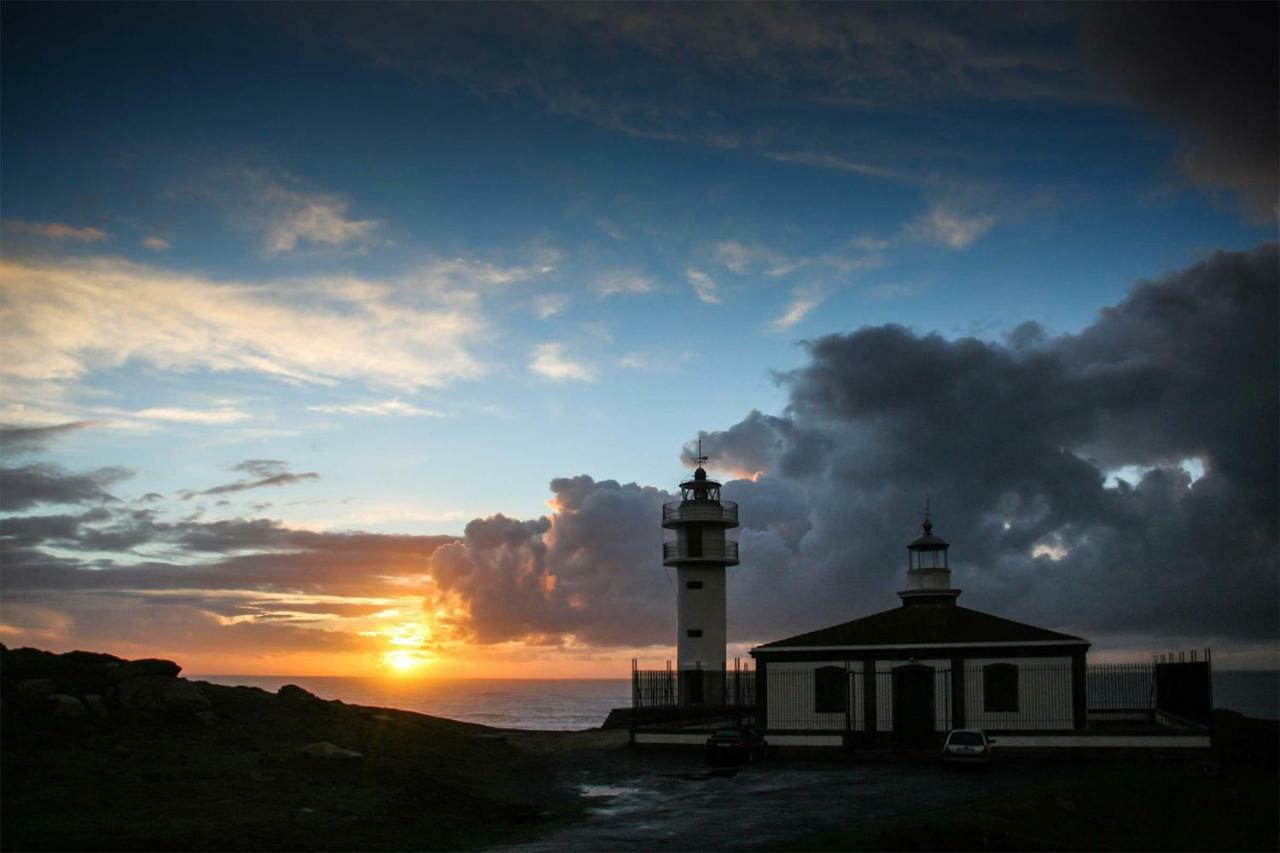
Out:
{"x": 913, "y": 703}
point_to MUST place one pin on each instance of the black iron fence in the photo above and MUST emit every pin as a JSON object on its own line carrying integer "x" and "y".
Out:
{"x": 693, "y": 698}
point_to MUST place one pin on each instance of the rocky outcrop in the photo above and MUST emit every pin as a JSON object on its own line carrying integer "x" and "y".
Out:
{"x": 295, "y": 694}
{"x": 78, "y": 685}
{"x": 66, "y": 707}
{"x": 325, "y": 751}
{"x": 160, "y": 693}
{"x": 144, "y": 667}
{"x": 34, "y": 689}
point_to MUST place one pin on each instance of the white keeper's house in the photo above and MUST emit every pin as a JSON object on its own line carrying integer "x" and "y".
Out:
{"x": 912, "y": 672}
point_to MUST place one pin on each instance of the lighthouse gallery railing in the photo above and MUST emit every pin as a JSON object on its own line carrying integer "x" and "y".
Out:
{"x": 724, "y": 512}
{"x": 677, "y": 550}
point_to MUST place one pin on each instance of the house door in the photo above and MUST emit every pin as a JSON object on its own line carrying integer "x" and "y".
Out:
{"x": 913, "y": 705}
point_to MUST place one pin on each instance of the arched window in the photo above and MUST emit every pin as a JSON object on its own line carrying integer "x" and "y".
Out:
{"x": 1000, "y": 687}
{"x": 829, "y": 690}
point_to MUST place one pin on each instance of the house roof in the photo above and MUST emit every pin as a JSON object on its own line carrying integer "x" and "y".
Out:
{"x": 916, "y": 626}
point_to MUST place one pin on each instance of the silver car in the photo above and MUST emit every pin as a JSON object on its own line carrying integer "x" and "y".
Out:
{"x": 967, "y": 746}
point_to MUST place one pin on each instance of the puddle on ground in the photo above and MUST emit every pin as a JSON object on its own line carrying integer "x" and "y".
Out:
{"x": 726, "y": 773}
{"x": 605, "y": 790}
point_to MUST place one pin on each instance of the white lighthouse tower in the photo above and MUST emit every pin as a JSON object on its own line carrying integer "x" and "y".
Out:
{"x": 699, "y": 553}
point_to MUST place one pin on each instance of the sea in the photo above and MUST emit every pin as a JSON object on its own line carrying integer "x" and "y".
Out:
{"x": 575, "y": 704}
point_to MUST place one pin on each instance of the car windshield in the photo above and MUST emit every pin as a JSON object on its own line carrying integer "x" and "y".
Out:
{"x": 966, "y": 739}
{"x": 734, "y": 733}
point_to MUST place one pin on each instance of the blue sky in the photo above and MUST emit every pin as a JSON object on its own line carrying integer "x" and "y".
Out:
{"x": 440, "y": 255}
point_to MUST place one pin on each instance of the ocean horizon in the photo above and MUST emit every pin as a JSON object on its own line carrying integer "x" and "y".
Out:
{"x": 570, "y": 704}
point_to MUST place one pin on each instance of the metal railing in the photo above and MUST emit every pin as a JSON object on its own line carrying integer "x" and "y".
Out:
{"x": 724, "y": 512}
{"x": 700, "y": 551}
{"x": 693, "y": 698}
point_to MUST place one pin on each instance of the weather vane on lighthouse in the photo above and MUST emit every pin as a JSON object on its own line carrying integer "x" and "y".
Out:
{"x": 700, "y": 553}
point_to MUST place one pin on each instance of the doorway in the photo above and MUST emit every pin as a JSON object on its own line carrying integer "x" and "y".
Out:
{"x": 913, "y": 706}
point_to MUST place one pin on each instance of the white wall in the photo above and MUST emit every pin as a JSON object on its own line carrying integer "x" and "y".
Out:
{"x": 791, "y": 696}
{"x": 1044, "y": 695}
{"x": 704, "y": 609}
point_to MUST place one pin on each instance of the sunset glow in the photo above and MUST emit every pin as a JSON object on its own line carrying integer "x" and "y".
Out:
{"x": 404, "y": 662}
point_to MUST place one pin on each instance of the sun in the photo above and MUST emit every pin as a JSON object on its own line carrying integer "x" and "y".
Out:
{"x": 404, "y": 661}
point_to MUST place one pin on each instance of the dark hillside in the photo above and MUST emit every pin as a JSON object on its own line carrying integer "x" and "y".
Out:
{"x": 102, "y": 753}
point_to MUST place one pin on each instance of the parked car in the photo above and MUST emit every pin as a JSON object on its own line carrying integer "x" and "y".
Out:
{"x": 736, "y": 745}
{"x": 967, "y": 746}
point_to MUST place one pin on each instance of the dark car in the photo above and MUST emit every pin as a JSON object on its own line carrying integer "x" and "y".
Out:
{"x": 967, "y": 746}
{"x": 736, "y": 745}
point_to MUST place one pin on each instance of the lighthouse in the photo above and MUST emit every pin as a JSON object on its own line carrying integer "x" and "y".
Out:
{"x": 700, "y": 553}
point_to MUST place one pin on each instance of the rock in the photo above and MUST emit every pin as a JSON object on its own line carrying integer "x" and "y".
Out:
{"x": 294, "y": 693}
{"x": 207, "y": 717}
{"x": 66, "y": 707}
{"x": 94, "y": 703}
{"x": 33, "y": 689}
{"x": 145, "y": 667}
{"x": 326, "y": 751}
{"x": 160, "y": 693}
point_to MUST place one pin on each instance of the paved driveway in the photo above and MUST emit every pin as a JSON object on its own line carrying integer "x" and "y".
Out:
{"x": 672, "y": 802}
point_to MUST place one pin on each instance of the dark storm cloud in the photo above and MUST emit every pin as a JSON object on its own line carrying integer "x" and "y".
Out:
{"x": 589, "y": 570}
{"x": 265, "y": 473}
{"x": 248, "y": 554}
{"x": 770, "y": 77}
{"x": 261, "y": 468}
{"x": 15, "y": 439}
{"x": 27, "y": 486}
{"x": 1214, "y": 70}
{"x": 1013, "y": 442}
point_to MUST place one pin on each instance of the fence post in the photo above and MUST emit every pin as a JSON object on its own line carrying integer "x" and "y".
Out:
{"x": 760, "y": 694}
{"x": 1079, "y": 692}
{"x": 871, "y": 724}
{"x": 635, "y": 701}
{"x": 1208, "y": 662}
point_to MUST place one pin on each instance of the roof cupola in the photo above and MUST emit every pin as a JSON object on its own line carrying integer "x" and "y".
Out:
{"x": 928, "y": 569}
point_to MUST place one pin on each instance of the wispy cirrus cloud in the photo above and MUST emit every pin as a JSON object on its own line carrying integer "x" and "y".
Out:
{"x": 549, "y": 360}
{"x": 285, "y": 214}
{"x": 157, "y": 244}
{"x": 58, "y": 231}
{"x": 948, "y": 225}
{"x": 622, "y": 283}
{"x": 397, "y": 408}
{"x": 222, "y": 415}
{"x": 65, "y": 319}
{"x": 744, "y": 258}
{"x": 826, "y": 160}
{"x": 320, "y": 219}
{"x": 549, "y": 305}
{"x": 802, "y": 302}
{"x": 704, "y": 286}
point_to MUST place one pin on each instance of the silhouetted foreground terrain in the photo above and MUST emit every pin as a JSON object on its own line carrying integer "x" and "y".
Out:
{"x": 99, "y": 753}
